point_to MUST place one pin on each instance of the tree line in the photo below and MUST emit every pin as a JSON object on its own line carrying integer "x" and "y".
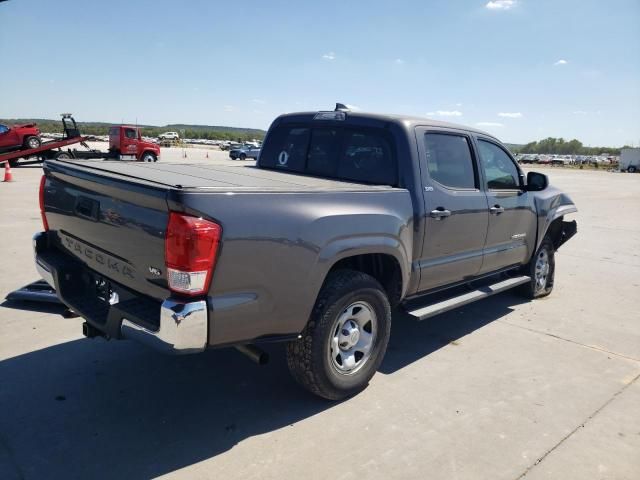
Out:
{"x": 560, "y": 146}
{"x": 194, "y": 131}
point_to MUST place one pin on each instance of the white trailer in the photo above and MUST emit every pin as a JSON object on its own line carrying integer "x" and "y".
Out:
{"x": 630, "y": 160}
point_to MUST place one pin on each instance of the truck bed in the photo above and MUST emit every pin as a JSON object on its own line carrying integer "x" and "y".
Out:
{"x": 217, "y": 177}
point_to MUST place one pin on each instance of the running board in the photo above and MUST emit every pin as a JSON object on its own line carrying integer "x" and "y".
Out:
{"x": 469, "y": 297}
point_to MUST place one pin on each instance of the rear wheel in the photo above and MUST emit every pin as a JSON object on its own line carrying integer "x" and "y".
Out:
{"x": 541, "y": 268}
{"x": 148, "y": 157}
{"x": 346, "y": 338}
{"x": 631, "y": 169}
{"x": 62, "y": 156}
{"x": 32, "y": 142}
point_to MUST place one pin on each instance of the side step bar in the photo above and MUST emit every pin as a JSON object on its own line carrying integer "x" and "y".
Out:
{"x": 478, "y": 294}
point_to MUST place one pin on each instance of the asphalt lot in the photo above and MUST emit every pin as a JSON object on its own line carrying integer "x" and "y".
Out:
{"x": 500, "y": 389}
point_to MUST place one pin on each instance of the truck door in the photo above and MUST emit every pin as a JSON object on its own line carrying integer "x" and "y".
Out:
{"x": 129, "y": 141}
{"x": 512, "y": 218}
{"x": 8, "y": 137}
{"x": 457, "y": 214}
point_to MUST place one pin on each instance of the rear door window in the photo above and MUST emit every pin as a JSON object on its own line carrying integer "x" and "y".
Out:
{"x": 449, "y": 160}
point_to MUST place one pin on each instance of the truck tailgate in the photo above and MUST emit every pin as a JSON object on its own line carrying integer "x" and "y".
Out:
{"x": 113, "y": 225}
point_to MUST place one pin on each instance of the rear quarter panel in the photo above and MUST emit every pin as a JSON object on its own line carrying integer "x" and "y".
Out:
{"x": 277, "y": 249}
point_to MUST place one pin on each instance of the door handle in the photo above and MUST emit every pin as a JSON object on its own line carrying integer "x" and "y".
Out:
{"x": 496, "y": 210}
{"x": 440, "y": 213}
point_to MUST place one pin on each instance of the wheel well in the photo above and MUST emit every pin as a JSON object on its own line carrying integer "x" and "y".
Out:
{"x": 554, "y": 232}
{"x": 384, "y": 268}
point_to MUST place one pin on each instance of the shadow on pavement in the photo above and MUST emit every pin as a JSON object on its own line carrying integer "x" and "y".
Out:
{"x": 97, "y": 409}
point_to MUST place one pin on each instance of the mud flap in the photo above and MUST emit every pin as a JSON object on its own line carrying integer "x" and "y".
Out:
{"x": 569, "y": 229}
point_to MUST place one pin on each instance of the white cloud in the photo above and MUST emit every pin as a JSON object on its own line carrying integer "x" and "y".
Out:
{"x": 510, "y": 114}
{"x": 489, "y": 124}
{"x": 560, "y": 62}
{"x": 445, "y": 113}
{"x": 329, "y": 56}
{"x": 458, "y": 104}
{"x": 399, "y": 61}
{"x": 500, "y": 4}
{"x": 229, "y": 108}
{"x": 258, "y": 101}
{"x": 580, "y": 112}
{"x": 352, "y": 107}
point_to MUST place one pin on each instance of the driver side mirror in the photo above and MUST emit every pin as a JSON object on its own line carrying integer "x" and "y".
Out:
{"x": 536, "y": 182}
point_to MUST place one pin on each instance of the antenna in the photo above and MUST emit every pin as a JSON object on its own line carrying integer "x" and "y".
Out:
{"x": 341, "y": 107}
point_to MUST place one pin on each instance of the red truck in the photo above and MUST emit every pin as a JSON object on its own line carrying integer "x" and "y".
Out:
{"x": 19, "y": 137}
{"x": 125, "y": 143}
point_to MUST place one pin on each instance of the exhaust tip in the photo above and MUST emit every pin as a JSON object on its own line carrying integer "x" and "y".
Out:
{"x": 255, "y": 354}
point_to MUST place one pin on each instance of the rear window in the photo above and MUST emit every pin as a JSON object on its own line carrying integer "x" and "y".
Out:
{"x": 359, "y": 155}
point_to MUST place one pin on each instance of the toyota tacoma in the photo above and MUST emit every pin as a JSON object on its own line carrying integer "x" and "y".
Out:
{"x": 345, "y": 216}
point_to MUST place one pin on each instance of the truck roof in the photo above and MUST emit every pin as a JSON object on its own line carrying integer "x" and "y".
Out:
{"x": 406, "y": 121}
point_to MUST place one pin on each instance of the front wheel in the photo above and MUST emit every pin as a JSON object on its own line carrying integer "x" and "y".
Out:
{"x": 346, "y": 338}
{"x": 243, "y": 156}
{"x": 541, "y": 268}
{"x": 148, "y": 157}
{"x": 631, "y": 169}
{"x": 32, "y": 142}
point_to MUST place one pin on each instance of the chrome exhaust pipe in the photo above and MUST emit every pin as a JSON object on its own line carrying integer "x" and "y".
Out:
{"x": 256, "y": 354}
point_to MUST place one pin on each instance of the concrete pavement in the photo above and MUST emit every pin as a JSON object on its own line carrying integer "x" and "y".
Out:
{"x": 500, "y": 389}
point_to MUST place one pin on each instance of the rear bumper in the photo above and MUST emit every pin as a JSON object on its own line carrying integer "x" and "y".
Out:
{"x": 172, "y": 326}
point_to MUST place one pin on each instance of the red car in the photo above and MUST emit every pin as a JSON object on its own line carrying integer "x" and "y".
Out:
{"x": 19, "y": 137}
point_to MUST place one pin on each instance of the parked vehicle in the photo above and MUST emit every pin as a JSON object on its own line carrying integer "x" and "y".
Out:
{"x": 243, "y": 152}
{"x": 345, "y": 216}
{"x": 19, "y": 137}
{"x": 630, "y": 160}
{"x": 169, "y": 136}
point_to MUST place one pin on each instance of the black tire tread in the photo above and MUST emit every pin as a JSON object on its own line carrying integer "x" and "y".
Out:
{"x": 300, "y": 352}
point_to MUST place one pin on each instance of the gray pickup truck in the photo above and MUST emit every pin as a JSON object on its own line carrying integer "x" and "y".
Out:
{"x": 345, "y": 216}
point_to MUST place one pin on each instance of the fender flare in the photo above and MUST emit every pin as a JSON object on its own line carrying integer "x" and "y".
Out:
{"x": 346, "y": 247}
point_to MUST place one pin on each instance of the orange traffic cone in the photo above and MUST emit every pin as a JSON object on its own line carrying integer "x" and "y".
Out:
{"x": 8, "y": 177}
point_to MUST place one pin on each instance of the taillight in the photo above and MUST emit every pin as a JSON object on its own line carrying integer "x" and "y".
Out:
{"x": 190, "y": 249}
{"x": 45, "y": 224}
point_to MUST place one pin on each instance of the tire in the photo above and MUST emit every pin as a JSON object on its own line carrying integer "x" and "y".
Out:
{"x": 243, "y": 156}
{"x": 329, "y": 359}
{"x": 148, "y": 157}
{"x": 62, "y": 156}
{"x": 31, "y": 141}
{"x": 232, "y": 158}
{"x": 631, "y": 169}
{"x": 542, "y": 277}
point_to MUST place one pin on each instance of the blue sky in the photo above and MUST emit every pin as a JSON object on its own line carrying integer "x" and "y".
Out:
{"x": 520, "y": 69}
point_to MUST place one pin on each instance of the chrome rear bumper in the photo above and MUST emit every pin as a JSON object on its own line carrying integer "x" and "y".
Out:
{"x": 183, "y": 328}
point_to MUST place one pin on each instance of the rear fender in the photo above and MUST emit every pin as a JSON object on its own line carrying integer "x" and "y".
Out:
{"x": 352, "y": 246}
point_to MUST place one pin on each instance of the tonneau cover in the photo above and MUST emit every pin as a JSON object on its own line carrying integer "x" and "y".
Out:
{"x": 219, "y": 177}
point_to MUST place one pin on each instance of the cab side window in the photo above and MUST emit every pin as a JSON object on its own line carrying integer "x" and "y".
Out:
{"x": 130, "y": 133}
{"x": 449, "y": 160}
{"x": 500, "y": 171}
{"x": 3, "y": 129}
